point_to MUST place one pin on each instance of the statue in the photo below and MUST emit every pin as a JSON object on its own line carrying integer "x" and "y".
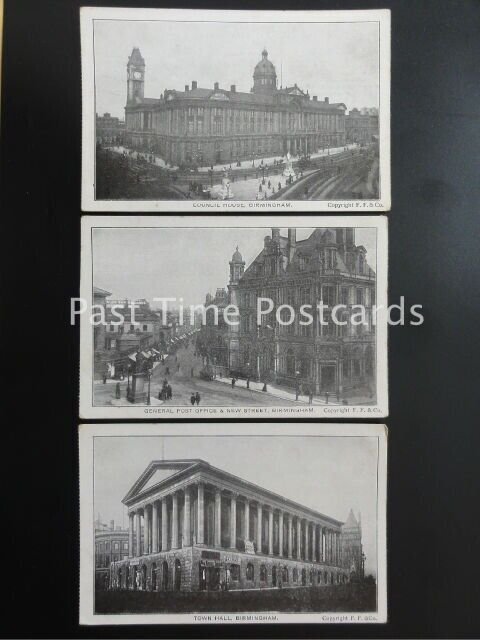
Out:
{"x": 288, "y": 171}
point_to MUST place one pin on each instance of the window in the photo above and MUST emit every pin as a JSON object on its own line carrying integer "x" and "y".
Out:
{"x": 304, "y": 295}
{"x": 328, "y": 295}
{"x": 295, "y": 574}
{"x": 235, "y": 572}
{"x": 125, "y": 545}
{"x": 144, "y": 327}
{"x": 250, "y": 571}
{"x": 111, "y": 328}
{"x": 285, "y": 574}
{"x": 372, "y": 297}
{"x": 359, "y": 296}
{"x": 344, "y": 295}
{"x": 132, "y": 327}
{"x": 116, "y": 546}
{"x": 263, "y": 573}
{"x": 361, "y": 265}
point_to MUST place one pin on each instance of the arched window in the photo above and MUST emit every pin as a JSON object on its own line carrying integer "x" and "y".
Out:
{"x": 325, "y": 578}
{"x": 274, "y": 576}
{"x": 144, "y": 577}
{"x": 311, "y": 576}
{"x": 319, "y": 577}
{"x": 263, "y": 573}
{"x": 285, "y": 574}
{"x": 127, "y": 576}
{"x": 250, "y": 571}
{"x": 304, "y": 576}
{"x": 295, "y": 574}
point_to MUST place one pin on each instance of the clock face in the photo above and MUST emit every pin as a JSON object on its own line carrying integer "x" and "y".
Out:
{"x": 137, "y": 75}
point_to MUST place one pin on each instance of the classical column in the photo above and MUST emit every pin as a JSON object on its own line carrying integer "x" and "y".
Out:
{"x": 138, "y": 527}
{"x": 164, "y": 524}
{"x": 174, "y": 521}
{"x": 146, "y": 531}
{"x": 131, "y": 517}
{"x": 155, "y": 527}
{"x": 320, "y": 535}
{"x": 290, "y": 535}
{"x": 247, "y": 520}
{"x": 280, "y": 534}
{"x": 314, "y": 542}
{"x": 233, "y": 521}
{"x": 270, "y": 531}
{"x": 218, "y": 518}
{"x": 299, "y": 539}
{"x": 187, "y": 538}
{"x": 259, "y": 528}
{"x": 307, "y": 550}
{"x": 200, "y": 514}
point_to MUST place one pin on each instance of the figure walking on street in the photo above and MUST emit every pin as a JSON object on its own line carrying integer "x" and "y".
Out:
{"x": 197, "y": 398}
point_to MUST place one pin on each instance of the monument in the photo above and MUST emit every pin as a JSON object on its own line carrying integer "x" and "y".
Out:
{"x": 288, "y": 172}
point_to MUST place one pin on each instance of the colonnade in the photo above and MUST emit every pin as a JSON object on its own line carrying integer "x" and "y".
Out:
{"x": 222, "y": 518}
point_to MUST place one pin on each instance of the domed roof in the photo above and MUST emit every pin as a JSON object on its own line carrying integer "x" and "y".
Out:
{"x": 237, "y": 256}
{"x": 264, "y": 67}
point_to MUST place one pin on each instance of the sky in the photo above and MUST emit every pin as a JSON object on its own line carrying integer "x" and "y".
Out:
{"x": 181, "y": 263}
{"x": 329, "y": 474}
{"x": 338, "y": 60}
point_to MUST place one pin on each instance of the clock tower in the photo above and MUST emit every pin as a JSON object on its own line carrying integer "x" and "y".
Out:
{"x": 135, "y": 76}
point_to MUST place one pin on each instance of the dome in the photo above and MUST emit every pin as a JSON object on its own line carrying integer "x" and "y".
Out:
{"x": 237, "y": 256}
{"x": 264, "y": 67}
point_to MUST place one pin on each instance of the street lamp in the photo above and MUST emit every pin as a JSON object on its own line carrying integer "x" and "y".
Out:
{"x": 149, "y": 376}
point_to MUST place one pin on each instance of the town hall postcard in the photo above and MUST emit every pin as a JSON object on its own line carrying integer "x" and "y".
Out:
{"x": 201, "y": 110}
{"x": 233, "y": 317}
{"x": 231, "y": 524}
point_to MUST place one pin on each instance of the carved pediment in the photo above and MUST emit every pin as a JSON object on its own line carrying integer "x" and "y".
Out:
{"x": 156, "y": 472}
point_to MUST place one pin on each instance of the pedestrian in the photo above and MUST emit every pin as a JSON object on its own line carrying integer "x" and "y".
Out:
{"x": 167, "y": 371}
{"x": 197, "y": 398}
{"x": 233, "y": 381}
{"x": 117, "y": 391}
{"x": 104, "y": 378}
{"x": 169, "y": 392}
{"x": 326, "y": 397}
{"x": 310, "y": 396}
{"x": 264, "y": 387}
{"x": 192, "y": 399}
{"x": 248, "y": 383}
{"x": 160, "y": 394}
{"x": 279, "y": 186}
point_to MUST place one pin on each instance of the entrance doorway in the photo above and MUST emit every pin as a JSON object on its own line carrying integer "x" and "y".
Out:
{"x": 144, "y": 577}
{"x": 327, "y": 378}
{"x": 178, "y": 575}
{"x": 134, "y": 578}
{"x": 274, "y": 576}
{"x": 165, "y": 575}
{"x": 154, "y": 577}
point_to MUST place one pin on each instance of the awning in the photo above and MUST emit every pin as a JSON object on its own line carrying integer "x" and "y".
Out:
{"x": 133, "y": 356}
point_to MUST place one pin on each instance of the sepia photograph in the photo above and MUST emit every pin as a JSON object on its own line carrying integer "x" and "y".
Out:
{"x": 190, "y": 110}
{"x": 187, "y": 525}
{"x": 187, "y": 318}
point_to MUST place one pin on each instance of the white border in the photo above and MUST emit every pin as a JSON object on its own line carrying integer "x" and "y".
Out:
{"x": 87, "y": 542}
{"x": 89, "y": 14}
{"x": 87, "y": 411}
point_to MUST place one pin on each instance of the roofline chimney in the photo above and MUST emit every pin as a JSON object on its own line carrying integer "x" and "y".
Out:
{"x": 327, "y": 100}
{"x": 186, "y": 88}
{"x": 194, "y": 84}
{"x": 315, "y": 98}
{"x": 233, "y": 88}
{"x": 215, "y": 86}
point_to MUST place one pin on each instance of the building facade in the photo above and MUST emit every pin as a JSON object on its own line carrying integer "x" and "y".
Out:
{"x": 327, "y": 267}
{"x": 109, "y": 129}
{"x": 204, "y": 529}
{"x": 361, "y": 126}
{"x": 203, "y": 126}
{"x": 111, "y": 546}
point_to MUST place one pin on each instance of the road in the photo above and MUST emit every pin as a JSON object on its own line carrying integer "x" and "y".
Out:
{"x": 212, "y": 393}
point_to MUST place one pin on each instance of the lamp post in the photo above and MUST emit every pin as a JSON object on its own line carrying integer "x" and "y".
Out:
{"x": 297, "y": 384}
{"x": 149, "y": 376}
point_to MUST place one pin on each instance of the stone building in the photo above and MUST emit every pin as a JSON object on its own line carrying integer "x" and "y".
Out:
{"x": 361, "y": 126}
{"x": 352, "y": 551}
{"x": 328, "y": 266}
{"x": 109, "y": 129}
{"x": 212, "y": 125}
{"x": 111, "y": 546}
{"x": 204, "y": 528}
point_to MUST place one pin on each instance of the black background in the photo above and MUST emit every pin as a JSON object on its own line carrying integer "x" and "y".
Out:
{"x": 433, "y": 492}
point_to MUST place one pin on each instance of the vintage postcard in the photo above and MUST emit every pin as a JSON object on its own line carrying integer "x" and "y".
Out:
{"x": 194, "y": 110}
{"x": 181, "y": 524}
{"x": 229, "y": 317}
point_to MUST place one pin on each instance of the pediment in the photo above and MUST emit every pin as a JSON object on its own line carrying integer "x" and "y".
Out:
{"x": 157, "y": 472}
